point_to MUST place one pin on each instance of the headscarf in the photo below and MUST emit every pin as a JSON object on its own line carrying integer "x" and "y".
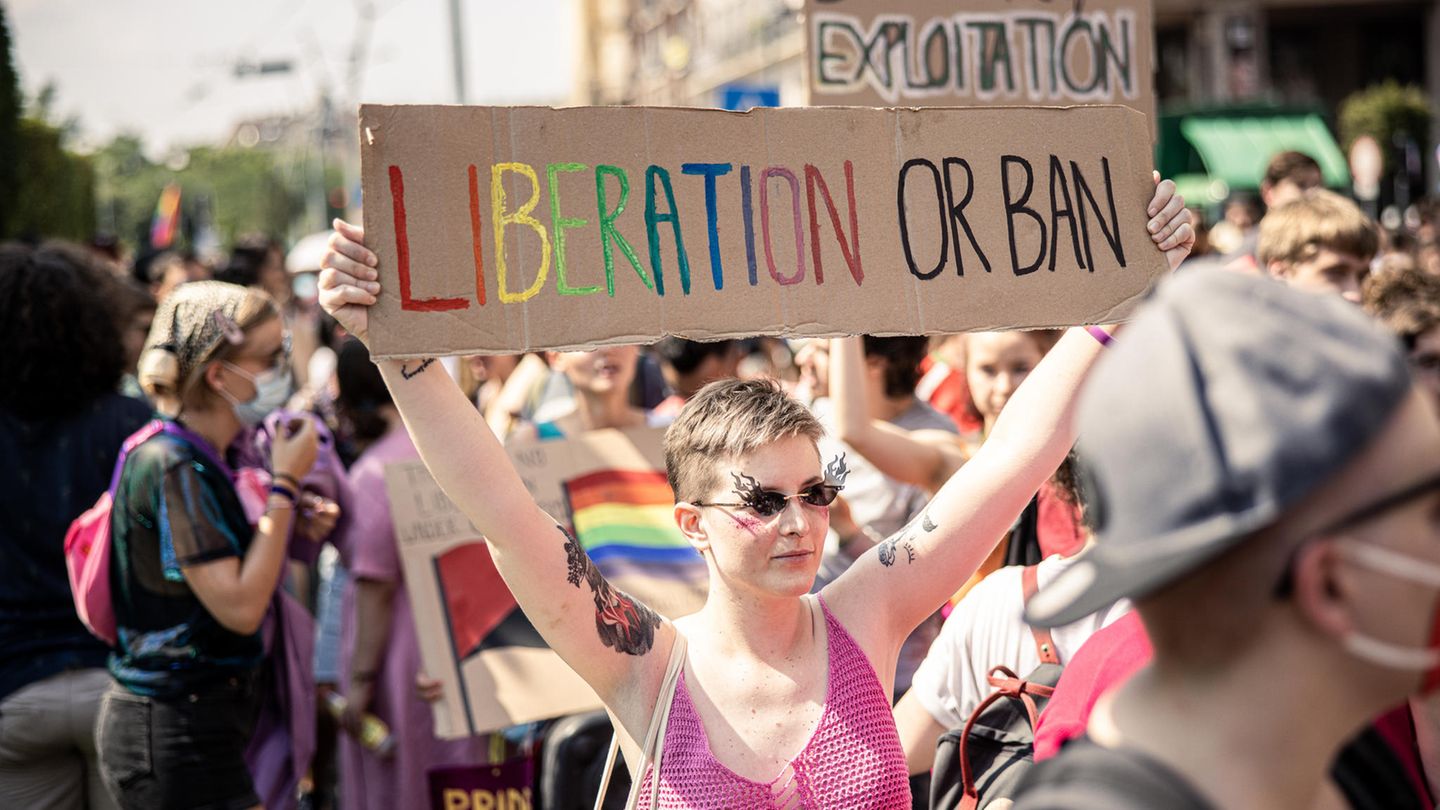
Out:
{"x": 189, "y": 327}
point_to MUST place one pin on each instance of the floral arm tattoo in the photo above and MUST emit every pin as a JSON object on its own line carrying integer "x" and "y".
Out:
{"x": 624, "y": 624}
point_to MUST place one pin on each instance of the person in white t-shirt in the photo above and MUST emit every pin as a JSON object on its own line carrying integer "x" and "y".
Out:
{"x": 986, "y": 630}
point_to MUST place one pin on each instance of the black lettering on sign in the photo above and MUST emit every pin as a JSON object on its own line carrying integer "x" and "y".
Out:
{"x": 1082, "y": 195}
{"x": 1057, "y": 213}
{"x": 1014, "y": 206}
{"x": 957, "y": 213}
{"x": 905, "y": 224}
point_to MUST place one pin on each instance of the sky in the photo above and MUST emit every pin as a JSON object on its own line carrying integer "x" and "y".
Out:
{"x": 164, "y": 69}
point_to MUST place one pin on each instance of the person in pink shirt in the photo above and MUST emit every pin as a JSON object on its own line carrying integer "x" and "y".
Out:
{"x": 783, "y": 698}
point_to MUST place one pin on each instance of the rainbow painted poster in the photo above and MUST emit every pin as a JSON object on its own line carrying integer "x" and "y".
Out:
{"x": 497, "y": 670}
{"x": 508, "y": 229}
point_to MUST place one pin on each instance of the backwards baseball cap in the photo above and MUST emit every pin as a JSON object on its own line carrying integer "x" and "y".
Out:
{"x": 1229, "y": 399}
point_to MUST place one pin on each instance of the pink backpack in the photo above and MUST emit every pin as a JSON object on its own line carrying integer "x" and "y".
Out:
{"x": 87, "y": 550}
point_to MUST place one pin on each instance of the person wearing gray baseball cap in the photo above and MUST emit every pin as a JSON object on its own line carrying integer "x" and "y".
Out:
{"x": 1264, "y": 478}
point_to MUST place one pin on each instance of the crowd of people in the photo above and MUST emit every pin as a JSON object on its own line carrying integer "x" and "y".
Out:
{"x": 1245, "y": 532}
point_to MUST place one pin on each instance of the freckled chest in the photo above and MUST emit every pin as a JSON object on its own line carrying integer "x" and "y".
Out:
{"x": 773, "y": 712}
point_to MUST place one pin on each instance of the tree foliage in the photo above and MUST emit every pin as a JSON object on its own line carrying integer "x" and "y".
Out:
{"x": 55, "y": 191}
{"x": 9, "y": 126}
{"x": 1384, "y": 111}
{"x": 46, "y": 190}
{"x": 231, "y": 189}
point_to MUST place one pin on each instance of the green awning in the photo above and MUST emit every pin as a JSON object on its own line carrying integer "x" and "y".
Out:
{"x": 1236, "y": 150}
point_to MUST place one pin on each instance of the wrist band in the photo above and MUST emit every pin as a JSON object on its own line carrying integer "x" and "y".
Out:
{"x": 288, "y": 479}
{"x": 284, "y": 492}
{"x": 1101, "y": 335}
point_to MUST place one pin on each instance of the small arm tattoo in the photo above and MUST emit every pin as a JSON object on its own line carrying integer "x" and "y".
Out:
{"x": 902, "y": 539}
{"x": 409, "y": 372}
{"x": 623, "y": 623}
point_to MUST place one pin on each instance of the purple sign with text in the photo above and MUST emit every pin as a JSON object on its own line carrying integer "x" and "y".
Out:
{"x": 482, "y": 787}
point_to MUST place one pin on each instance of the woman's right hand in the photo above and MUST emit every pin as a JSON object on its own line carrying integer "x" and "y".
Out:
{"x": 294, "y": 448}
{"x": 348, "y": 286}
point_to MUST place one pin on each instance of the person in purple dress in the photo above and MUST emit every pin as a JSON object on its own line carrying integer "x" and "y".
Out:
{"x": 379, "y": 645}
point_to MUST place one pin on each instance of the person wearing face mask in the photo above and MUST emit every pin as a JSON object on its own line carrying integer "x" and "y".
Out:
{"x": 192, "y": 579}
{"x": 1265, "y": 482}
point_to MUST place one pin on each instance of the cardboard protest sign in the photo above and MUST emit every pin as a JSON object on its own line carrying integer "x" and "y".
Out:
{"x": 981, "y": 52}
{"x": 514, "y": 229}
{"x": 610, "y": 488}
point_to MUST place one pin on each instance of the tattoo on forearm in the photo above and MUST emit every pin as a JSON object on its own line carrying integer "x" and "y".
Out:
{"x": 408, "y": 371}
{"x": 624, "y": 623}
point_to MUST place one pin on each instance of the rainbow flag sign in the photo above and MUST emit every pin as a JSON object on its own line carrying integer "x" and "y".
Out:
{"x": 166, "y": 221}
{"x": 625, "y": 520}
{"x": 610, "y": 489}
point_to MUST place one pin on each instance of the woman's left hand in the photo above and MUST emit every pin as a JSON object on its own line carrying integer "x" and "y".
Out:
{"x": 427, "y": 688}
{"x": 317, "y": 517}
{"x": 1169, "y": 223}
{"x": 358, "y": 698}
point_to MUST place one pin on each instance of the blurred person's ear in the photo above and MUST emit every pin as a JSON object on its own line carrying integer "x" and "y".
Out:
{"x": 1321, "y": 589}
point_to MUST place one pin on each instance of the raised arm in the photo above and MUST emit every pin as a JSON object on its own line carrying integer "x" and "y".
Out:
{"x": 890, "y": 590}
{"x": 924, "y": 458}
{"x": 606, "y": 636}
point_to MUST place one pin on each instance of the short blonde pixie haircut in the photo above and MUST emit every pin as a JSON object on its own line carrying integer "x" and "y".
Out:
{"x": 1320, "y": 220}
{"x": 728, "y": 419}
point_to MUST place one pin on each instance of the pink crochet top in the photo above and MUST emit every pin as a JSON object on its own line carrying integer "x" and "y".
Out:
{"x": 853, "y": 759}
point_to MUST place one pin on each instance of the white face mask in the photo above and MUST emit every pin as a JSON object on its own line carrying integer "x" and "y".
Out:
{"x": 272, "y": 390}
{"x": 1383, "y": 653}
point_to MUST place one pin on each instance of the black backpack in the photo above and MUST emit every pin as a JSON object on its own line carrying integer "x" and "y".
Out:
{"x": 984, "y": 760}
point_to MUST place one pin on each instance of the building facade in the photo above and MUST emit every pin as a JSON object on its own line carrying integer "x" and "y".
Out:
{"x": 1293, "y": 53}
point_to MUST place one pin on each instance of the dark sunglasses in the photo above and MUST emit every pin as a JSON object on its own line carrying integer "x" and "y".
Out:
{"x": 769, "y": 503}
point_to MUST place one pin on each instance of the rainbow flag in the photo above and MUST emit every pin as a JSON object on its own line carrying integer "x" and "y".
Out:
{"x": 167, "y": 218}
{"x": 625, "y": 521}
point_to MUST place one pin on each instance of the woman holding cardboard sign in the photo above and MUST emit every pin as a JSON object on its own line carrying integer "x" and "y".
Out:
{"x": 767, "y": 697}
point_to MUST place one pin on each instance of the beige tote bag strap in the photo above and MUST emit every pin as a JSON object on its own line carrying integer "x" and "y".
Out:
{"x": 609, "y": 770}
{"x": 654, "y": 736}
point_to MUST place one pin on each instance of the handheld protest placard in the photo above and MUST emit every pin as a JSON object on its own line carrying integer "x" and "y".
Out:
{"x": 609, "y": 489}
{"x": 990, "y": 52}
{"x": 508, "y": 229}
